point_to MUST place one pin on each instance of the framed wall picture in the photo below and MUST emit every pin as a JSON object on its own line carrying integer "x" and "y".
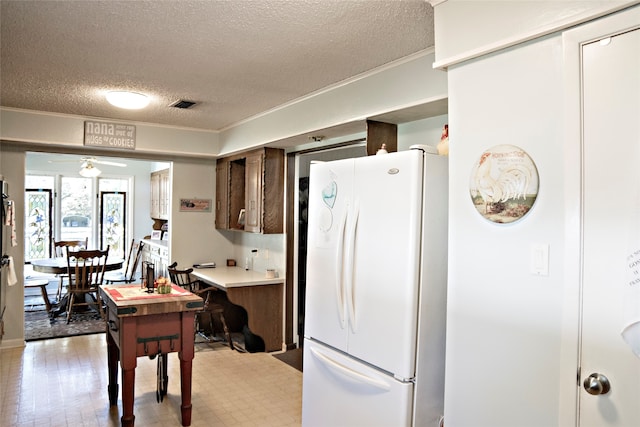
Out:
{"x": 504, "y": 184}
{"x": 195, "y": 205}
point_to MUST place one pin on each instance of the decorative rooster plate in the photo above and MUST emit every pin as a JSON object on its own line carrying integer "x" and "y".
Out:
{"x": 504, "y": 184}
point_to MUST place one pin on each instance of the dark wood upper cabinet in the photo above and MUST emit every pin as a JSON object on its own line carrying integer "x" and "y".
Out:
{"x": 222, "y": 194}
{"x": 250, "y": 191}
{"x": 379, "y": 133}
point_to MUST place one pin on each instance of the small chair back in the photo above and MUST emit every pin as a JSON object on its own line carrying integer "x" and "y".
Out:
{"x": 133, "y": 260}
{"x": 132, "y": 267}
{"x": 130, "y": 255}
{"x": 86, "y": 269}
{"x": 59, "y": 247}
{"x": 183, "y": 278}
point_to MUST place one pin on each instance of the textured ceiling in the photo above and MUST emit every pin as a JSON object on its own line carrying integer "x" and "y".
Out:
{"x": 235, "y": 58}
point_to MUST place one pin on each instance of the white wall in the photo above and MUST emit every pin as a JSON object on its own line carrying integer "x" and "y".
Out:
{"x": 62, "y": 130}
{"x": 425, "y": 132}
{"x": 512, "y": 336}
{"x": 468, "y": 29}
{"x": 503, "y": 334}
{"x": 194, "y": 238}
{"x": 13, "y": 169}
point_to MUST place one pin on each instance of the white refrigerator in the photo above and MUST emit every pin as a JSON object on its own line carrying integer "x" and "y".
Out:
{"x": 376, "y": 291}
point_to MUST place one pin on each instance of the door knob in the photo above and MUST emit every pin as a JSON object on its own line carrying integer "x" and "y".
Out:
{"x": 597, "y": 384}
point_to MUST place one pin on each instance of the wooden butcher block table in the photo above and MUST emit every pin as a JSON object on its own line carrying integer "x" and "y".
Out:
{"x": 148, "y": 324}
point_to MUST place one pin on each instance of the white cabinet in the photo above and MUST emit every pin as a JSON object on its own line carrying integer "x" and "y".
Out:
{"x": 157, "y": 253}
{"x": 160, "y": 194}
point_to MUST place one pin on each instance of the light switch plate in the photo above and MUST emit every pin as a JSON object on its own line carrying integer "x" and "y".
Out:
{"x": 540, "y": 259}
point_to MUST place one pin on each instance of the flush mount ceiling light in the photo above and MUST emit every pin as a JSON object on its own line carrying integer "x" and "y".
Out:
{"x": 89, "y": 171}
{"x": 128, "y": 100}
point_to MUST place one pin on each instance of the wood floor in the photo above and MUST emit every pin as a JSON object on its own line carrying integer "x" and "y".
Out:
{"x": 63, "y": 382}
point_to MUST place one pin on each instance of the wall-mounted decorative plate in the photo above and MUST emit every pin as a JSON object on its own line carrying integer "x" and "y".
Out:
{"x": 504, "y": 184}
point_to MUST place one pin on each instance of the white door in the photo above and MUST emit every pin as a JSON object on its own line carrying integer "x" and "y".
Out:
{"x": 339, "y": 391}
{"x": 330, "y": 191}
{"x": 610, "y": 371}
{"x": 382, "y": 297}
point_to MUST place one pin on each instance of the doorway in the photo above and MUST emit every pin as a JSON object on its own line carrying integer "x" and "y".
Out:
{"x": 610, "y": 367}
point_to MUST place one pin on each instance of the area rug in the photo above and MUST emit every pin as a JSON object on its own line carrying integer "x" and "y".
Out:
{"x": 38, "y": 325}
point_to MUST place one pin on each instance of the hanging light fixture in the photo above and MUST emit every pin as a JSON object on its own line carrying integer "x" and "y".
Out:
{"x": 128, "y": 100}
{"x": 89, "y": 171}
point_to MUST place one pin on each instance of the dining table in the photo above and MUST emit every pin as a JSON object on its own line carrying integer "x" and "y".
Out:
{"x": 59, "y": 265}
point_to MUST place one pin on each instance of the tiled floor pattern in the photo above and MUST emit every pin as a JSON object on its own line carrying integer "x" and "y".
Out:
{"x": 63, "y": 382}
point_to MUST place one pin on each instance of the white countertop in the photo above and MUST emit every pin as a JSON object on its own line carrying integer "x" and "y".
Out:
{"x": 231, "y": 277}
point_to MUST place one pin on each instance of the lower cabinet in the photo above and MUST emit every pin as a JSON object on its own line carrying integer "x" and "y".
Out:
{"x": 157, "y": 253}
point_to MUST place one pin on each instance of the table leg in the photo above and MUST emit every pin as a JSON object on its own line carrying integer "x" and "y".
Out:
{"x": 128, "y": 363}
{"x": 45, "y": 297}
{"x": 128, "y": 386}
{"x": 186, "y": 358}
{"x": 113, "y": 357}
{"x": 185, "y": 389}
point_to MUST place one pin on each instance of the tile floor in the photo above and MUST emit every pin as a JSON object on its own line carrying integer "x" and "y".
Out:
{"x": 63, "y": 382}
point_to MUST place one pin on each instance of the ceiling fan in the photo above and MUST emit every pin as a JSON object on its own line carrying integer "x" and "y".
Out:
{"x": 88, "y": 170}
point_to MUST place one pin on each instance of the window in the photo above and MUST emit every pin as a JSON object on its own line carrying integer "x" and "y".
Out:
{"x": 38, "y": 216}
{"x": 67, "y": 208}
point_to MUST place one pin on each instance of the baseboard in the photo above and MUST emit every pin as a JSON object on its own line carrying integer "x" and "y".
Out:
{"x": 18, "y": 342}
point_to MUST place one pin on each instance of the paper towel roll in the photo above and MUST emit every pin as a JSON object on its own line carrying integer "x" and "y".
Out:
{"x": 11, "y": 276}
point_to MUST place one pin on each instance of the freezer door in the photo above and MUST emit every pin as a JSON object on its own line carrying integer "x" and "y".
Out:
{"x": 330, "y": 192}
{"x": 382, "y": 295}
{"x": 339, "y": 391}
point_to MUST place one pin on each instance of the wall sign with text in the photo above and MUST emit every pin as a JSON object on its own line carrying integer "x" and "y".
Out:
{"x": 109, "y": 135}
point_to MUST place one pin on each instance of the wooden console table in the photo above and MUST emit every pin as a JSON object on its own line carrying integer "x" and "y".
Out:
{"x": 143, "y": 324}
{"x": 262, "y": 298}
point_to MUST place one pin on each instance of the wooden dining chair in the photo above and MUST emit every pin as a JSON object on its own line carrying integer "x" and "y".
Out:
{"x": 128, "y": 273}
{"x": 183, "y": 278}
{"x": 86, "y": 270}
{"x": 59, "y": 246}
{"x": 60, "y": 251}
{"x": 204, "y": 317}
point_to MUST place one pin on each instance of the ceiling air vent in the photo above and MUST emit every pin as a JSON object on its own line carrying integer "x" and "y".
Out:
{"x": 183, "y": 104}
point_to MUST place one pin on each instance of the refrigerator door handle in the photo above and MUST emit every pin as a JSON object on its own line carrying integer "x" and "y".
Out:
{"x": 350, "y": 291}
{"x": 340, "y": 269}
{"x": 349, "y": 373}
